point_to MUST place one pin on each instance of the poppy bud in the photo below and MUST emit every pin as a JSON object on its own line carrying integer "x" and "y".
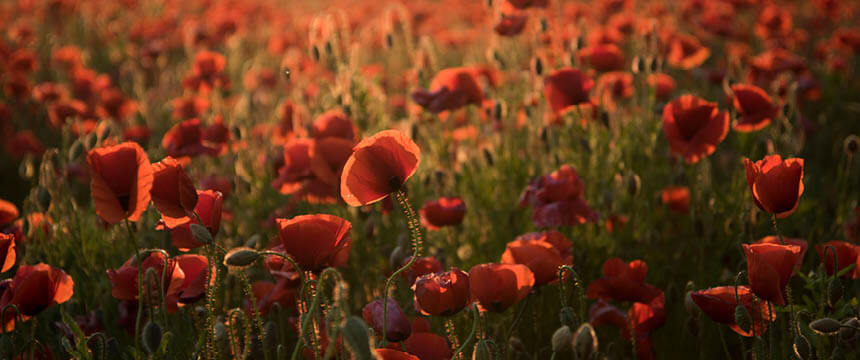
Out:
{"x": 488, "y": 156}
{"x": 44, "y": 198}
{"x": 389, "y": 40}
{"x": 834, "y": 291}
{"x": 104, "y": 133}
{"x": 356, "y": 338}
{"x": 270, "y": 338}
{"x": 851, "y": 144}
{"x": 568, "y": 317}
{"x": 253, "y": 241}
{"x": 201, "y": 234}
{"x": 825, "y": 326}
{"x": 634, "y": 184}
{"x": 544, "y": 25}
{"x": 802, "y": 347}
{"x": 220, "y": 330}
{"x": 584, "y": 341}
{"x": 241, "y": 257}
{"x": 561, "y": 339}
{"x": 537, "y": 66}
{"x": 315, "y": 53}
{"x": 849, "y": 332}
{"x": 151, "y": 337}
{"x": 237, "y": 132}
{"x": 328, "y": 48}
{"x": 91, "y": 140}
{"x": 742, "y": 318}
{"x": 75, "y": 150}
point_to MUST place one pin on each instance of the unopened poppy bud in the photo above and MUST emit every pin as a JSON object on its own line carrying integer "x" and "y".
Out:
{"x": 561, "y": 339}
{"x": 786, "y": 110}
{"x": 328, "y": 48}
{"x": 637, "y": 65}
{"x": 742, "y": 318}
{"x": 315, "y": 53}
{"x": 634, "y": 184}
{"x": 237, "y": 132}
{"x": 201, "y": 234}
{"x": 498, "y": 110}
{"x": 44, "y": 198}
{"x": 76, "y": 150}
{"x": 104, "y": 133}
{"x": 568, "y": 317}
{"x": 151, "y": 337}
{"x": 544, "y": 25}
{"x": 483, "y": 351}
{"x": 849, "y": 331}
{"x": 220, "y": 331}
{"x": 825, "y": 326}
{"x": 851, "y": 144}
{"x": 537, "y": 66}
{"x": 834, "y": 291}
{"x": 91, "y": 140}
{"x": 389, "y": 40}
{"x": 802, "y": 347}
{"x": 488, "y": 156}
{"x": 253, "y": 241}
{"x": 270, "y": 339}
{"x": 241, "y": 257}
{"x": 356, "y": 338}
{"x": 584, "y": 341}
{"x": 691, "y": 306}
{"x": 398, "y": 256}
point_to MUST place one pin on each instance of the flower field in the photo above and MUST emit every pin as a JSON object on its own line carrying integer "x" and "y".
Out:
{"x": 429, "y": 179}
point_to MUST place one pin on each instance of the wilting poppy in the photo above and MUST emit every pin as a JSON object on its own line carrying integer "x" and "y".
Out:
{"x": 754, "y": 107}
{"x": 120, "y": 181}
{"x": 441, "y": 293}
{"x": 193, "y": 287}
{"x": 333, "y": 123}
{"x": 566, "y": 88}
{"x": 398, "y": 327}
{"x": 677, "y": 198}
{"x": 846, "y": 254}
{"x": 498, "y": 286}
{"x": 391, "y": 354}
{"x": 8, "y": 212}
{"x": 124, "y": 279}
{"x": 316, "y": 241}
{"x": 686, "y": 52}
{"x": 208, "y": 210}
{"x": 378, "y": 166}
{"x": 769, "y": 267}
{"x": 542, "y": 252}
{"x": 186, "y": 139}
{"x": 776, "y": 184}
{"x": 421, "y": 266}
{"x": 172, "y": 192}
{"x": 558, "y": 199}
{"x": 693, "y": 127}
{"x": 450, "y": 89}
{"x": 622, "y": 281}
{"x": 719, "y": 304}
{"x": 33, "y": 289}
{"x": 7, "y": 252}
{"x": 445, "y": 211}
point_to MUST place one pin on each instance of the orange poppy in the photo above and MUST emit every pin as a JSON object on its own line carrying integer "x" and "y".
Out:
{"x": 328, "y": 156}
{"x": 124, "y": 279}
{"x": 719, "y": 304}
{"x": 603, "y": 57}
{"x": 542, "y": 252}
{"x": 193, "y": 287}
{"x": 22, "y": 143}
{"x": 694, "y": 127}
{"x": 398, "y": 327}
{"x": 445, "y": 211}
{"x": 498, "y": 286}
{"x": 33, "y": 289}
{"x": 296, "y": 167}
{"x": 172, "y": 191}
{"x": 333, "y": 123}
{"x": 754, "y": 106}
{"x": 441, "y": 293}
{"x": 120, "y": 181}
{"x": 208, "y": 209}
{"x": 186, "y": 140}
{"x": 8, "y": 212}
{"x": 686, "y": 52}
{"x": 776, "y": 184}
{"x": 7, "y": 252}
{"x": 566, "y": 88}
{"x": 664, "y": 85}
{"x": 773, "y": 239}
{"x": 769, "y": 267}
{"x": 330, "y": 245}
{"x": 378, "y": 166}
{"x": 846, "y": 255}
{"x": 677, "y": 198}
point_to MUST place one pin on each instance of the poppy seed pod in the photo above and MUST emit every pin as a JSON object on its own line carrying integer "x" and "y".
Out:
{"x": 241, "y": 257}
{"x": 151, "y": 337}
{"x": 825, "y": 326}
{"x": 561, "y": 339}
{"x": 584, "y": 341}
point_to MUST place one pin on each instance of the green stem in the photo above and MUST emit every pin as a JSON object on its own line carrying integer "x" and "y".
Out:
{"x": 776, "y": 229}
{"x": 255, "y": 312}
{"x": 415, "y": 232}
{"x": 139, "y": 258}
{"x": 476, "y": 316}
{"x": 516, "y": 321}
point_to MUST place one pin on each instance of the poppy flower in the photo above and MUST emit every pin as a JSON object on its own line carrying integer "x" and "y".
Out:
{"x": 267, "y": 294}
{"x": 450, "y": 89}
{"x": 113, "y": 104}
{"x": 557, "y": 199}
{"x": 566, "y": 88}
{"x": 378, "y": 166}
{"x": 773, "y": 239}
{"x": 542, "y": 252}
{"x": 7, "y": 252}
{"x": 48, "y": 92}
{"x": 186, "y": 139}
{"x": 686, "y": 52}
{"x": 511, "y": 24}
{"x": 330, "y": 240}
{"x": 498, "y": 286}
{"x": 215, "y": 182}
{"x": 398, "y": 327}
{"x": 613, "y": 87}
{"x": 664, "y": 85}
{"x": 769, "y": 267}
{"x": 333, "y": 123}
{"x": 193, "y": 287}
{"x": 391, "y": 354}
{"x": 677, "y": 198}
{"x": 754, "y": 107}
{"x": 120, "y": 181}
{"x": 33, "y": 289}
{"x": 603, "y": 57}
{"x": 421, "y": 266}
{"x": 719, "y": 304}
{"x": 327, "y": 158}
{"x": 297, "y": 166}
{"x": 525, "y": 4}
{"x": 8, "y": 212}
{"x": 776, "y": 184}
{"x": 172, "y": 192}
{"x": 209, "y": 211}
{"x": 622, "y": 281}
{"x": 846, "y": 255}
{"x": 137, "y": 133}
{"x": 124, "y": 279}
{"x": 445, "y": 211}
{"x": 428, "y": 346}
{"x": 207, "y": 73}
{"x": 189, "y": 107}
{"x": 23, "y": 143}
{"x": 694, "y": 127}
{"x": 441, "y": 293}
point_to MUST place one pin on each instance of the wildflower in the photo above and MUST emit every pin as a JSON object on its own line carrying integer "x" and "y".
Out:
{"x": 121, "y": 179}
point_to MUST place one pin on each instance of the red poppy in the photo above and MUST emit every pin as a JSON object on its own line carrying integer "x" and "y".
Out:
{"x": 622, "y": 282}
{"x": 327, "y": 158}
{"x": 428, "y": 346}
{"x": 441, "y": 293}
{"x": 7, "y": 252}
{"x": 124, "y": 279}
{"x": 421, "y": 266}
{"x": 719, "y": 304}
{"x": 511, "y": 24}
{"x": 445, "y": 211}
{"x": 542, "y": 252}
{"x": 33, "y": 289}
{"x": 603, "y": 57}
{"x": 333, "y": 123}
{"x": 23, "y": 143}
{"x": 378, "y": 166}
{"x": 566, "y": 88}
{"x": 754, "y": 107}
{"x": 113, "y": 104}
{"x": 8, "y": 212}
{"x": 846, "y": 254}
{"x": 48, "y": 92}
{"x": 190, "y": 107}
{"x": 267, "y": 293}
{"x": 525, "y": 4}
{"x": 769, "y": 267}
{"x": 121, "y": 178}
{"x": 137, "y": 133}
{"x": 297, "y": 166}
{"x": 677, "y": 198}
{"x": 557, "y": 199}
{"x": 208, "y": 209}
{"x": 602, "y": 313}
{"x": 193, "y": 287}
{"x": 664, "y": 85}
{"x": 172, "y": 192}
{"x": 613, "y": 87}
{"x": 694, "y": 127}
{"x": 773, "y": 21}
{"x": 186, "y": 139}
{"x": 390, "y": 354}
{"x": 498, "y": 286}
{"x": 776, "y": 184}
{"x": 215, "y": 182}
{"x": 686, "y": 52}
{"x": 207, "y": 73}
{"x": 773, "y": 239}
{"x": 450, "y": 89}
{"x": 398, "y": 327}
{"x": 330, "y": 245}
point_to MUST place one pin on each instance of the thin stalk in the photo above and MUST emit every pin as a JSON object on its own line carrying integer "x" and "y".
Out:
{"x": 415, "y": 232}
{"x": 139, "y": 258}
{"x": 776, "y": 228}
{"x": 476, "y": 317}
{"x": 255, "y": 312}
{"x": 516, "y": 321}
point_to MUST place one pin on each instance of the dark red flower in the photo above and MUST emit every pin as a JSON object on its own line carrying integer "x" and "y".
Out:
{"x": 677, "y": 198}
{"x": 124, "y": 279}
{"x": 451, "y": 89}
{"x": 846, "y": 254}
{"x": 267, "y": 293}
{"x": 776, "y": 184}
{"x": 421, "y": 266}
{"x": 769, "y": 267}
{"x": 441, "y": 293}
{"x": 773, "y": 239}
{"x": 557, "y": 199}
{"x": 603, "y": 57}
{"x": 121, "y": 178}
{"x": 754, "y": 107}
{"x": 193, "y": 287}
{"x": 622, "y": 282}
{"x": 23, "y": 143}
{"x": 208, "y": 209}
{"x": 566, "y": 88}
{"x": 542, "y": 252}
{"x": 186, "y": 140}
{"x": 498, "y": 286}
{"x": 330, "y": 245}
{"x": 428, "y": 346}
{"x": 172, "y": 192}
{"x": 7, "y": 252}
{"x": 33, "y": 289}
{"x": 378, "y": 166}
{"x": 719, "y": 304}
{"x": 511, "y": 24}
{"x": 398, "y": 327}
{"x": 445, "y": 211}
{"x": 694, "y": 127}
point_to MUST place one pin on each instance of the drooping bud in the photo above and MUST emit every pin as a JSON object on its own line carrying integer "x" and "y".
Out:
{"x": 561, "y": 339}
{"x": 584, "y": 341}
{"x": 802, "y": 347}
{"x": 356, "y": 338}
{"x": 151, "y": 337}
{"x": 241, "y": 257}
{"x": 825, "y": 326}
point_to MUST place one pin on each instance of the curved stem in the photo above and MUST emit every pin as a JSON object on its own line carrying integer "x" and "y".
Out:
{"x": 308, "y": 317}
{"x": 476, "y": 316}
{"x": 578, "y": 286}
{"x": 415, "y": 232}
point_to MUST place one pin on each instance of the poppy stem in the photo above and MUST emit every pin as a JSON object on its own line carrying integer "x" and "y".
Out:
{"x": 293, "y": 263}
{"x": 577, "y": 286}
{"x": 476, "y": 317}
{"x": 415, "y": 232}
{"x": 255, "y": 312}
{"x": 139, "y": 258}
{"x": 451, "y": 332}
{"x": 516, "y": 321}
{"x": 776, "y": 228}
